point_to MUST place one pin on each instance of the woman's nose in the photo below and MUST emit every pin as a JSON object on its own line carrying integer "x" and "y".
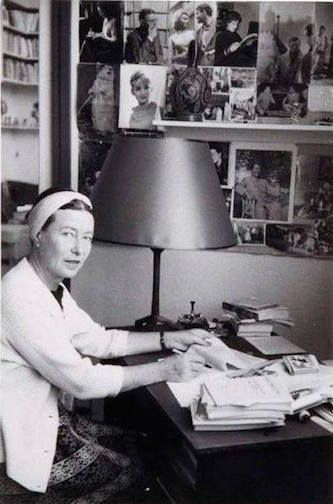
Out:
{"x": 77, "y": 246}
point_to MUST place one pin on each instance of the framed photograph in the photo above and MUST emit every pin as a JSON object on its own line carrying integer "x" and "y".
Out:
{"x": 313, "y": 188}
{"x": 142, "y": 95}
{"x": 249, "y": 233}
{"x": 243, "y": 105}
{"x": 314, "y": 239}
{"x": 97, "y": 101}
{"x": 263, "y": 177}
{"x": 220, "y": 157}
{"x": 282, "y": 100}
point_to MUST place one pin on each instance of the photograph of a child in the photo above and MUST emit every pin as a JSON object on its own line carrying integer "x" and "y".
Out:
{"x": 142, "y": 90}
{"x": 314, "y": 187}
{"x": 302, "y": 239}
{"x": 97, "y": 101}
{"x": 100, "y": 32}
{"x": 220, "y": 156}
{"x": 249, "y": 234}
{"x": 286, "y": 41}
{"x": 281, "y": 100}
{"x": 264, "y": 177}
{"x": 242, "y": 104}
{"x": 237, "y": 35}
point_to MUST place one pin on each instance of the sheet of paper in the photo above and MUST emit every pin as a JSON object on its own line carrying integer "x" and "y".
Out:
{"x": 185, "y": 392}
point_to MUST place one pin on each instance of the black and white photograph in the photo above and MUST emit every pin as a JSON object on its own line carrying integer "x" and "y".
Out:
{"x": 281, "y": 100}
{"x": 101, "y": 32}
{"x": 181, "y": 32}
{"x": 91, "y": 158}
{"x": 313, "y": 187}
{"x": 249, "y": 233}
{"x": 142, "y": 95}
{"x": 243, "y": 105}
{"x": 243, "y": 77}
{"x": 286, "y": 41}
{"x": 146, "y": 27}
{"x": 322, "y": 64}
{"x": 227, "y": 194}
{"x": 203, "y": 47}
{"x": 220, "y": 157}
{"x": 263, "y": 178}
{"x": 219, "y": 79}
{"x": 314, "y": 239}
{"x": 237, "y": 34}
{"x": 97, "y": 101}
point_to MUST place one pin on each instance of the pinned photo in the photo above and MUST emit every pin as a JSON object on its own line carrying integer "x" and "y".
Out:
{"x": 242, "y": 105}
{"x": 249, "y": 233}
{"x": 142, "y": 90}
{"x": 220, "y": 156}
{"x": 182, "y": 32}
{"x": 280, "y": 100}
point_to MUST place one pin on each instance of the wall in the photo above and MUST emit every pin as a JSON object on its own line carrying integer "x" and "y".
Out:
{"x": 115, "y": 284}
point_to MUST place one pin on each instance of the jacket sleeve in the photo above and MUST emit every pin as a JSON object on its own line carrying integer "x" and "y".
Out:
{"x": 44, "y": 343}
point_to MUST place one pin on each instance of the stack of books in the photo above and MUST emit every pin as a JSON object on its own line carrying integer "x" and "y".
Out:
{"x": 254, "y": 317}
{"x": 241, "y": 403}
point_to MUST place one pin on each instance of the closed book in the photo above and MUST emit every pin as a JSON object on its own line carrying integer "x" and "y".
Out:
{"x": 252, "y": 303}
{"x": 277, "y": 312}
{"x": 255, "y": 327}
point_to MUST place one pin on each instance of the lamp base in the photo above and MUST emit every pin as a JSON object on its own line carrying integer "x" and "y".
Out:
{"x": 157, "y": 323}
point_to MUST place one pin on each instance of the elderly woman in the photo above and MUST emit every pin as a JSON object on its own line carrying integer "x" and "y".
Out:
{"x": 45, "y": 340}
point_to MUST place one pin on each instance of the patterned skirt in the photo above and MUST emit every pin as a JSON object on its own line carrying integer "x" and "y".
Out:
{"x": 94, "y": 463}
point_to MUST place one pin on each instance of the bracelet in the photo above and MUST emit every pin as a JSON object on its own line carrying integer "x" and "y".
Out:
{"x": 162, "y": 342}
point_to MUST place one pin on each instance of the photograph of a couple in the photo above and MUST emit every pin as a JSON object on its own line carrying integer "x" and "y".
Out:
{"x": 264, "y": 176}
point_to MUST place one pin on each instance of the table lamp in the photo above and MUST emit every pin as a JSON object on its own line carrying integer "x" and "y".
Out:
{"x": 161, "y": 193}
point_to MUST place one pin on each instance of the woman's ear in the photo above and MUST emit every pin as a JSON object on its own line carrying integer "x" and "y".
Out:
{"x": 37, "y": 240}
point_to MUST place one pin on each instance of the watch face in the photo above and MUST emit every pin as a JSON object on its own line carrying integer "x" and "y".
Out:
{"x": 4, "y": 107}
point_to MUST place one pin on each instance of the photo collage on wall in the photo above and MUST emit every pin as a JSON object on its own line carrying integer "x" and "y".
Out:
{"x": 277, "y": 195}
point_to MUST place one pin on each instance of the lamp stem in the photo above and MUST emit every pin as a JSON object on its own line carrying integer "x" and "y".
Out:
{"x": 155, "y": 303}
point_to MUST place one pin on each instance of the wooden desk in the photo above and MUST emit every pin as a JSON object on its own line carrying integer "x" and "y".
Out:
{"x": 290, "y": 464}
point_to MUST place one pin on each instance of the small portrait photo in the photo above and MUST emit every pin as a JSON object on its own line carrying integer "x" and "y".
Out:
{"x": 145, "y": 32}
{"x": 219, "y": 79}
{"x": 91, "y": 158}
{"x": 227, "y": 193}
{"x": 249, "y": 233}
{"x": 243, "y": 77}
{"x": 313, "y": 187}
{"x": 243, "y": 105}
{"x": 322, "y": 58}
{"x": 263, "y": 178}
{"x": 182, "y": 32}
{"x": 237, "y": 34}
{"x": 220, "y": 156}
{"x": 302, "y": 239}
{"x": 97, "y": 101}
{"x": 142, "y": 95}
{"x": 280, "y": 100}
{"x": 101, "y": 32}
{"x": 203, "y": 48}
{"x": 286, "y": 42}
{"x": 218, "y": 109}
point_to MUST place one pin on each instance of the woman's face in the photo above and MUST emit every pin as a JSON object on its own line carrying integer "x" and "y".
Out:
{"x": 232, "y": 26}
{"x": 141, "y": 91}
{"x": 184, "y": 19}
{"x": 65, "y": 244}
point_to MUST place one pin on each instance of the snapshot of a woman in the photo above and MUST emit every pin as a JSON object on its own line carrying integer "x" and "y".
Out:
{"x": 180, "y": 39}
{"x": 46, "y": 339}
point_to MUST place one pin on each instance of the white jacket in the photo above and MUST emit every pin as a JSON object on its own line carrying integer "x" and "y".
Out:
{"x": 42, "y": 348}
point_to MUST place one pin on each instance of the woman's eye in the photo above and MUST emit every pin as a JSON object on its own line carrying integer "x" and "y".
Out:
{"x": 88, "y": 238}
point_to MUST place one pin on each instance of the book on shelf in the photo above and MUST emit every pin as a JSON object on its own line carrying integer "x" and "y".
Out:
{"x": 269, "y": 313}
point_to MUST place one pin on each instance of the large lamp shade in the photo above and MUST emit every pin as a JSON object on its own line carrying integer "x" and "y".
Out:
{"x": 161, "y": 193}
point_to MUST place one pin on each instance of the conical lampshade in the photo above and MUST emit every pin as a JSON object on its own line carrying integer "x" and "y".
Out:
{"x": 161, "y": 193}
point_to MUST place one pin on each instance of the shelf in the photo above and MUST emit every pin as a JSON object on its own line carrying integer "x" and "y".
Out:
{"x": 19, "y": 128}
{"x": 19, "y": 83}
{"x": 19, "y": 32}
{"x": 33, "y": 59}
{"x": 249, "y": 126}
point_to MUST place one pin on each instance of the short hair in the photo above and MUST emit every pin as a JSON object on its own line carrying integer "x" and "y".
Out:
{"x": 75, "y": 204}
{"x": 138, "y": 76}
{"x": 205, "y": 7}
{"x": 230, "y": 16}
{"x": 145, "y": 12}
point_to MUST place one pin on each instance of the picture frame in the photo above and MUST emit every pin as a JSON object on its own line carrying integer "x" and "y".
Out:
{"x": 263, "y": 179}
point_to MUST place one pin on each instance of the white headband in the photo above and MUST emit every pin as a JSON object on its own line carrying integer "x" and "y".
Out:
{"x": 39, "y": 214}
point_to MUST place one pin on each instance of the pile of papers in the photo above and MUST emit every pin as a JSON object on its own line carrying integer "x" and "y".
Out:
{"x": 241, "y": 403}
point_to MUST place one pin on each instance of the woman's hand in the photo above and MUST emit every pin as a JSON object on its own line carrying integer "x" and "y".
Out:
{"x": 181, "y": 340}
{"x": 183, "y": 367}
{"x": 234, "y": 47}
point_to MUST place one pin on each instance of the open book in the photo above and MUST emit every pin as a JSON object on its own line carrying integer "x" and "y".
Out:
{"x": 249, "y": 39}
